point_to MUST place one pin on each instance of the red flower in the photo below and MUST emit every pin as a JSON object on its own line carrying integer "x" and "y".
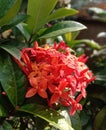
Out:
{"x": 56, "y": 74}
{"x": 58, "y": 91}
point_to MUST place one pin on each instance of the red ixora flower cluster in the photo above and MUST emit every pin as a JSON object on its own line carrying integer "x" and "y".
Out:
{"x": 56, "y": 75}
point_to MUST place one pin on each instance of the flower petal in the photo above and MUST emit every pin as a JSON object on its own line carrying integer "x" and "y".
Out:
{"x": 31, "y": 92}
{"x": 33, "y": 82}
{"x": 42, "y": 93}
{"x": 55, "y": 97}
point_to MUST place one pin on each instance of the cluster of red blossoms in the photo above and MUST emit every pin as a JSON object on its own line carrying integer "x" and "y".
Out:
{"x": 56, "y": 75}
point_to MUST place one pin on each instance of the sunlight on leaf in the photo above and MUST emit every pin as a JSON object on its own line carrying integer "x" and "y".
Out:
{"x": 49, "y": 115}
{"x": 62, "y": 28}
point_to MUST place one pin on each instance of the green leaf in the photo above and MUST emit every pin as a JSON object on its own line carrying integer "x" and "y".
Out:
{"x": 45, "y": 113}
{"x": 11, "y": 79}
{"x": 76, "y": 123}
{"x": 84, "y": 117}
{"x": 100, "y": 117}
{"x": 39, "y": 10}
{"x": 65, "y": 123}
{"x": 6, "y": 126}
{"x": 62, "y": 12}
{"x": 11, "y": 49}
{"x": 5, "y": 5}
{"x": 7, "y": 78}
{"x": 62, "y": 28}
{"x": 20, "y": 83}
{"x": 70, "y": 36}
{"x": 91, "y": 43}
{"x": 24, "y": 30}
{"x": 98, "y": 11}
{"x": 11, "y": 13}
{"x": 19, "y": 18}
{"x": 3, "y": 112}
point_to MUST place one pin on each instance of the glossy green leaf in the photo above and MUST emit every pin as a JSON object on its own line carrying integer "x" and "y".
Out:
{"x": 61, "y": 13}
{"x": 11, "y": 13}
{"x": 3, "y": 112}
{"x": 48, "y": 115}
{"x": 39, "y": 10}
{"x": 62, "y": 28}
{"x": 11, "y": 49}
{"x": 19, "y": 18}
{"x": 5, "y": 5}
{"x": 100, "y": 117}
{"x": 20, "y": 83}
{"x": 11, "y": 79}
{"x": 7, "y": 78}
